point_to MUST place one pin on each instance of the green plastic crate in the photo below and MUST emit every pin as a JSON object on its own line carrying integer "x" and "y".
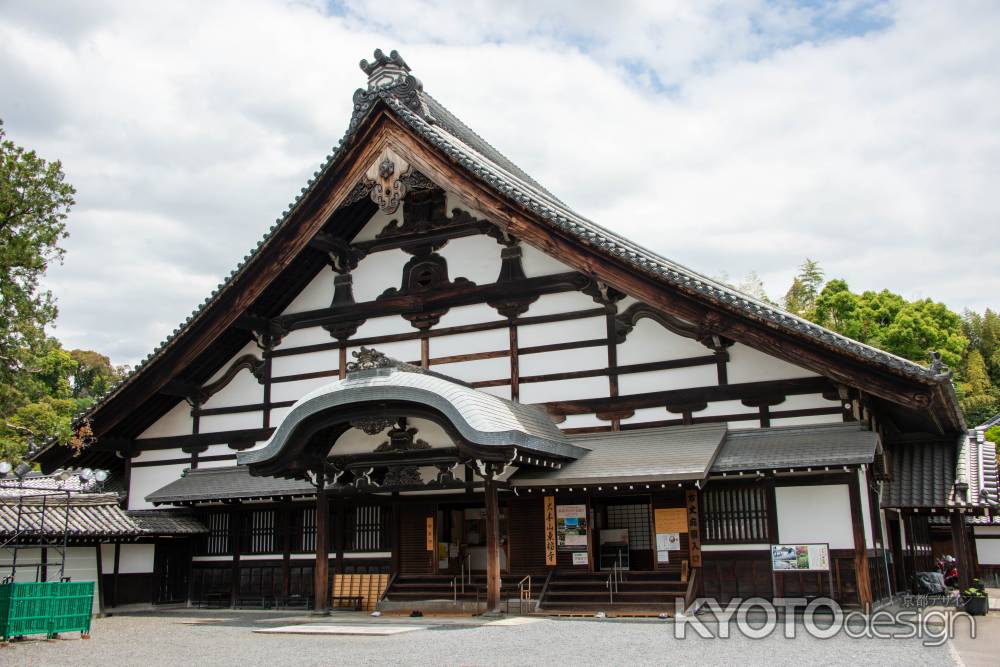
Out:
{"x": 45, "y": 608}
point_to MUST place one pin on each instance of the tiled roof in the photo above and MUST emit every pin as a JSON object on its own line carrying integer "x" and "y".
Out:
{"x": 648, "y": 455}
{"x": 206, "y": 484}
{"x": 932, "y": 474}
{"x": 79, "y": 514}
{"x": 481, "y": 418}
{"x": 167, "y": 522}
{"x": 796, "y": 447}
{"x": 459, "y": 143}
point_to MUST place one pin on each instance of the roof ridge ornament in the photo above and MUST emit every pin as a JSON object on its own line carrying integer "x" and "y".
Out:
{"x": 369, "y": 359}
{"x": 389, "y": 76}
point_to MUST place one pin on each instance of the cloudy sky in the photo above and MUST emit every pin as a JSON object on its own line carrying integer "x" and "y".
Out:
{"x": 729, "y": 136}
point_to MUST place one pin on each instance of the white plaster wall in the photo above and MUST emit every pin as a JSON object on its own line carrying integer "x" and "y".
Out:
{"x": 537, "y": 263}
{"x": 752, "y": 422}
{"x": 81, "y": 565}
{"x": 749, "y": 365}
{"x": 502, "y": 391}
{"x": 217, "y": 450}
{"x": 380, "y": 326}
{"x": 564, "y": 302}
{"x": 378, "y": 272}
{"x": 177, "y": 421}
{"x": 560, "y": 361}
{"x": 216, "y": 464}
{"x": 355, "y": 441}
{"x": 377, "y": 223}
{"x": 562, "y": 332}
{"x": 327, "y": 360}
{"x": 278, "y": 414}
{"x": 582, "y": 421}
{"x": 814, "y": 514}
{"x": 986, "y": 530}
{"x": 866, "y": 514}
{"x": 806, "y": 401}
{"x": 232, "y": 422}
{"x": 135, "y": 558}
{"x": 249, "y": 348}
{"x": 463, "y": 315}
{"x": 317, "y": 294}
{"x": 144, "y": 481}
{"x": 563, "y": 390}
{"x": 430, "y": 432}
{"x": 244, "y": 389}
{"x": 476, "y": 258}
{"x": 480, "y": 369}
{"x": 674, "y": 378}
{"x": 804, "y": 421}
{"x": 303, "y": 337}
{"x": 293, "y": 391}
{"x": 650, "y": 415}
{"x": 988, "y": 551}
{"x": 26, "y": 572}
{"x": 107, "y": 558}
{"x": 478, "y": 341}
{"x": 717, "y": 408}
{"x": 160, "y": 455}
{"x": 649, "y": 341}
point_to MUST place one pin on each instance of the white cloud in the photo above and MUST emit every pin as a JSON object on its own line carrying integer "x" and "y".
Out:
{"x": 727, "y": 136}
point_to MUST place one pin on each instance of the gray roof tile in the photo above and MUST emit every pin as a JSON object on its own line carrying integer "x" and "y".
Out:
{"x": 796, "y": 447}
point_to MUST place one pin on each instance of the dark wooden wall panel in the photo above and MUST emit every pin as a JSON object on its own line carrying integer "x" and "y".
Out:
{"x": 526, "y": 531}
{"x": 414, "y": 558}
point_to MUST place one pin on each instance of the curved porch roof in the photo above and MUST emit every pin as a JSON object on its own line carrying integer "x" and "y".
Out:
{"x": 482, "y": 420}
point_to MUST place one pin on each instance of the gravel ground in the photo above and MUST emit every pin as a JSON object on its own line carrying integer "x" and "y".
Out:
{"x": 226, "y": 638}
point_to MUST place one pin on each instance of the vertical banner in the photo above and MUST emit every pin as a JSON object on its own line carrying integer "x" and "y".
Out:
{"x": 550, "y": 530}
{"x": 430, "y": 533}
{"x": 694, "y": 528}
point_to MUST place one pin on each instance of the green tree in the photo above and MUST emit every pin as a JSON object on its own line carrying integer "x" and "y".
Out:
{"x": 993, "y": 434}
{"x": 93, "y": 376}
{"x": 801, "y": 296}
{"x": 909, "y": 329}
{"x": 34, "y": 202}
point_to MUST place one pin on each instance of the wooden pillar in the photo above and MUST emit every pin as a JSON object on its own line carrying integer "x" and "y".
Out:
{"x": 492, "y": 545}
{"x": 322, "y": 569}
{"x": 100, "y": 579}
{"x": 860, "y": 549}
{"x": 963, "y": 552}
{"x": 114, "y": 581}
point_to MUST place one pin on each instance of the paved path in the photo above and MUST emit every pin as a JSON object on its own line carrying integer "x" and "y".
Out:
{"x": 227, "y": 638}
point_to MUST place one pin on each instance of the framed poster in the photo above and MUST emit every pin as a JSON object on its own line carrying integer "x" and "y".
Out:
{"x": 800, "y": 557}
{"x": 571, "y": 527}
{"x": 580, "y": 558}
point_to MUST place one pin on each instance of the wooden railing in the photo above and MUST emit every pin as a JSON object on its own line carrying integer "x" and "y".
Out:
{"x": 692, "y": 589}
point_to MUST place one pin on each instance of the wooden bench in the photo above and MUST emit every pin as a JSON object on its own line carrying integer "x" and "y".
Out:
{"x": 358, "y": 600}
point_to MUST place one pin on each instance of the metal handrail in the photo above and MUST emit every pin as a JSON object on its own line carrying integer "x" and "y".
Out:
{"x": 614, "y": 579}
{"x": 454, "y": 589}
{"x": 523, "y": 593}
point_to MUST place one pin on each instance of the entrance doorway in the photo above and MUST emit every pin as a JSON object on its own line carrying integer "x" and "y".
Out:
{"x": 171, "y": 565}
{"x": 461, "y": 538}
{"x": 623, "y": 532}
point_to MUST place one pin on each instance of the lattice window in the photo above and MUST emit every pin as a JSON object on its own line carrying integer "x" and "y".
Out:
{"x": 216, "y": 542}
{"x": 259, "y": 532}
{"x": 636, "y": 519}
{"x": 304, "y": 529}
{"x": 735, "y": 515}
{"x": 367, "y": 532}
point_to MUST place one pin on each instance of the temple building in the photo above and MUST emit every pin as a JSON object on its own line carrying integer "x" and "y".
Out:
{"x": 432, "y": 383}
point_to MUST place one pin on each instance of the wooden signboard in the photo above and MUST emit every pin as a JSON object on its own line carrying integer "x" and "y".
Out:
{"x": 430, "y": 533}
{"x": 694, "y": 530}
{"x": 550, "y": 530}
{"x": 671, "y": 520}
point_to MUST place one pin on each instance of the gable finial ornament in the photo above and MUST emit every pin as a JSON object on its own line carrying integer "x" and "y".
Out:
{"x": 387, "y": 178}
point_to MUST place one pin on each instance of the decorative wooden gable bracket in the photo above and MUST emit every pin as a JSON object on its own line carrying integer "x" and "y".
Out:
{"x": 627, "y": 319}
{"x": 197, "y": 395}
{"x": 267, "y": 332}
